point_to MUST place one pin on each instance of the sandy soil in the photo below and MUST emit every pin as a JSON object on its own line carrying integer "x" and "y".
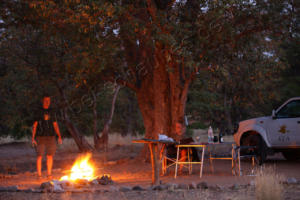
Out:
{"x": 17, "y": 167}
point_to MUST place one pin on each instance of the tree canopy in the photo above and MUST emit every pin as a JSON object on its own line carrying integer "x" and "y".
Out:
{"x": 157, "y": 49}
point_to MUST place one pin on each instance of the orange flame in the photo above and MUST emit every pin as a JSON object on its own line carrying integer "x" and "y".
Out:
{"x": 81, "y": 169}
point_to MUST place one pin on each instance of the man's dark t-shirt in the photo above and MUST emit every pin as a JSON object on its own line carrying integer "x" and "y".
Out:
{"x": 45, "y": 127}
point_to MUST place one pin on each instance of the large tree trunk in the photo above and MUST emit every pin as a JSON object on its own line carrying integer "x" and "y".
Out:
{"x": 162, "y": 97}
{"x": 159, "y": 80}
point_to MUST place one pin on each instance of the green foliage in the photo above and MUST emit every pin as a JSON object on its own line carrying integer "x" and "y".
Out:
{"x": 197, "y": 125}
{"x": 189, "y": 132}
{"x": 73, "y": 48}
{"x": 238, "y": 87}
{"x": 291, "y": 75}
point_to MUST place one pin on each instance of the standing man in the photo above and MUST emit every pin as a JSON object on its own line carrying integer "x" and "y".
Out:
{"x": 43, "y": 136}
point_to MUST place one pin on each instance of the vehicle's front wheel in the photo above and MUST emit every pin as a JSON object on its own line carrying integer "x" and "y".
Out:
{"x": 259, "y": 143}
{"x": 291, "y": 154}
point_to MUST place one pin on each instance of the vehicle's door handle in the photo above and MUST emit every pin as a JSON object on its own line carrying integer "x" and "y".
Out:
{"x": 298, "y": 122}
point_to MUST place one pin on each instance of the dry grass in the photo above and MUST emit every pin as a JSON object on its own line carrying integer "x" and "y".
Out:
{"x": 268, "y": 184}
{"x": 116, "y": 139}
{"x": 9, "y": 139}
{"x": 69, "y": 144}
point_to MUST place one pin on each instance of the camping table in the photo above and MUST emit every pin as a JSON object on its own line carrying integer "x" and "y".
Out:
{"x": 190, "y": 162}
{"x": 153, "y": 147}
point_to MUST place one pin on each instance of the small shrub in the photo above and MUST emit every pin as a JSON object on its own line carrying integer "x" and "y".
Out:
{"x": 9, "y": 139}
{"x": 268, "y": 184}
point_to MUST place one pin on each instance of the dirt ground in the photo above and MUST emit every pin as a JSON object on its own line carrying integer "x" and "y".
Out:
{"x": 17, "y": 168}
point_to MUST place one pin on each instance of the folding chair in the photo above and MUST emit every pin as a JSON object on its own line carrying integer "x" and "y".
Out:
{"x": 247, "y": 152}
{"x": 169, "y": 154}
{"x": 190, "y": 161}
{"x": 232, "y": 155}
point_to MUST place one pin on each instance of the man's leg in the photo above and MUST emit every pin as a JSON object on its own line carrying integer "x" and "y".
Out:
{"x": 49, "y": 164}
{"x": 40, "y": 152}
{"x": 51, "y": 148}
{"x": 39, "y": 165}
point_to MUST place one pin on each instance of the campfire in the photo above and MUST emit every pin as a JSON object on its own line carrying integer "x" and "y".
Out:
{"x": 80, "y": 175}
{"x": 81, "y": 170}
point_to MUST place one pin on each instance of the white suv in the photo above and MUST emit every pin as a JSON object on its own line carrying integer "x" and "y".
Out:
{"x": 278, "y": 132}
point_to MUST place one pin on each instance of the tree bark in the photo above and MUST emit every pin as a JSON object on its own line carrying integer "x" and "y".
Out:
{"x": 161, "y": 89}
{"x": 155, "y": 169}
{"x": 162, "y": 98}
{"x": 95, "y": 121}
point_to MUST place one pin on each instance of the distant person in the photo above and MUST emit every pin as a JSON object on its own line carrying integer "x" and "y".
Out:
{"x": 43, "y": 136}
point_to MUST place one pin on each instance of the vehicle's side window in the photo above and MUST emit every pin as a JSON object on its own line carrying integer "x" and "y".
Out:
{"x": 290, "y": 110}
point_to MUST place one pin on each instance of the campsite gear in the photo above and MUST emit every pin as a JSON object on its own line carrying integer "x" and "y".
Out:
{"x": 190, "y": 161}
{"x": 216, "y": 139}
{"x": 210, "y": 134}
{"x": 153, "y": 147}
{"x": 221, "y": 137}
{"x": 230, "y": 152}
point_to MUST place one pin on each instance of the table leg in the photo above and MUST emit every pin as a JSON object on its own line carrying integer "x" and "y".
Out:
{"x": 162, "y": 159}
{"x": 202, "y": 159}
{"x": 155, "y": 167}
{"x": 232, "y": 161}
{"x": 189, "y": 160}
{"x": 239, "y": 160}
{"x": 177, "y": 162}
{"x": 210, "y": 161}
{"x": 162, "y": 151}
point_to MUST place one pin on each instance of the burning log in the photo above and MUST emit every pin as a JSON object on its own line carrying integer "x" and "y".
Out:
{"x": 80, "y": 175}
{"x": 63, "y": 185}
{"x": 51, "y": 186}
{"x": 105, "y": 180}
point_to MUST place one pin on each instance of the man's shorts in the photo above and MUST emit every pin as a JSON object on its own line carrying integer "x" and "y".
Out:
{"x": 46, "y": 143}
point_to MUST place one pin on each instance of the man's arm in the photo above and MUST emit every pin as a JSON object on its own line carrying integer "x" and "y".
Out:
{"x": 33, "y": 133}
{"x": 56, "y": 128}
